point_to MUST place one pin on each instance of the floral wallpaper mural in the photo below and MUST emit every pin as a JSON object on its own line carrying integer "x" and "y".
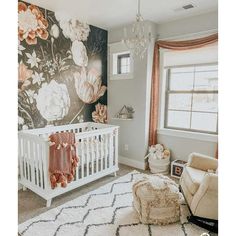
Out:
{"x": 62, "y": 69}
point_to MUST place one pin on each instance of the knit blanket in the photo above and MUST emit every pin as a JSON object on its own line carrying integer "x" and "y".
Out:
{"x": 62, "y": 158}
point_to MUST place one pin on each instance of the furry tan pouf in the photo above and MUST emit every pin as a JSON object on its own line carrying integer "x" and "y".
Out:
{"x": 156, "y": 198}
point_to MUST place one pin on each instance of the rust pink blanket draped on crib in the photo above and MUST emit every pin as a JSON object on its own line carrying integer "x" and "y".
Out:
{"x": 62, "y": 159}
{"x": 173, "y": 45}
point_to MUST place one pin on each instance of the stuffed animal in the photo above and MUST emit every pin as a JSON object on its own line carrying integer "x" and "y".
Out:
{"x": 166, "y": 153}
{"x": 152, "y": 152}
{"x": 159, "y": 147}
{"x": 157, "y": 152}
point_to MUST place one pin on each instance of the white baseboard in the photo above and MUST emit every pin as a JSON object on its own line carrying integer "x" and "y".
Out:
{"x": 131, "y": 162}
{"x": 19, "y": 186}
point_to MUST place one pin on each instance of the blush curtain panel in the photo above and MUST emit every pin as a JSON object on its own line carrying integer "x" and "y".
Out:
{"x": 173, "y": 45}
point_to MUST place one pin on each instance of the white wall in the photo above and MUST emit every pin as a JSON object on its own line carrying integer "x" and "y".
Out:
{"x": 133, "y": 92}
{"x": 136, "y": 92}
{"x": 182, "y": 147}
{"x": 190, "y": 25}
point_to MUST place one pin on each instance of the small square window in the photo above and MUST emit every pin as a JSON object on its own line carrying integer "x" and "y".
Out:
{"x": 123, "y": 63}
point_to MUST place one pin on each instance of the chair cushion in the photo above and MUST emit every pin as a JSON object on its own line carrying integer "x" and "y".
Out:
{"x": 193, "y": 178}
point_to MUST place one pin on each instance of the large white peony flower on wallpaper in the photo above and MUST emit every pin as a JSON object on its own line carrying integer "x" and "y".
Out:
{"x": 73, "y": 28}
{"x": 79, "y": 53}
{"x": 88, "y": 85}
{"x": 53, "y": 101}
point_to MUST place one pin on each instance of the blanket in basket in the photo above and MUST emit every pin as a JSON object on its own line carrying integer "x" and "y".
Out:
{"x": 62, "y": 159}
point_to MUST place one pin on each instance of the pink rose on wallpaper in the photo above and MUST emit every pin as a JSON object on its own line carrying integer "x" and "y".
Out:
{"x": 53, "y": 101}
{"x": 100, "y": 114}
{"x": 31, "y": 24}
{"x": 79, "y": 53}
{"x": 88, "y": 85}
{"x": 23, "y": 75}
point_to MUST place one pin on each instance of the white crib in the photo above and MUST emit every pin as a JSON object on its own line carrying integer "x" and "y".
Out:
{"x": 97, "y": 149}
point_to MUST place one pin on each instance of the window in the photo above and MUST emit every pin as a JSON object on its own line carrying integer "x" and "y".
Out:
{"x": 192, "y": 98}
{"x": 123, "y": 63}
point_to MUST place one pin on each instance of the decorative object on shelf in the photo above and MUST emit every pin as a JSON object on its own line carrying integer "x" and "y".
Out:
{"x": 139, "y": 43}
{"x": 177, "y": 167}
{"x": 158, "y": 159}
{"x": 126, "y": 112}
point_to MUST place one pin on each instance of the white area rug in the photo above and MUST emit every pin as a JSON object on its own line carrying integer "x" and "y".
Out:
{"x": 106, "y": 211}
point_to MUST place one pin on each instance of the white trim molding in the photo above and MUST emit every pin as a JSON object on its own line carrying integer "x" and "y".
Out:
{"x": 130, "y": 162}
{"x": 190, "y": 135}
{"x": 114, "y": 50}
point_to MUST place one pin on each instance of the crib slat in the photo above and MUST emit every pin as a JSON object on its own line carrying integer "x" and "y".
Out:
{"x": 25, "y": 159}
{"x": 104, "y": 146}
{"x": 38, "y": 169}
{"x": 77, "y": 168}
{"x": 116, "y": 147}
{"x": 92, "y": 150}
{"x": 102, "y": 152}
{"x": 21, "y": 151}
{"x": 97, "y": 153}
{"x": 39, "y": 159}
{"x": 36, "y": 164}
{"x": 111, "y": 149}
{"x": 87, "y": 156}
{"x": 32, "y": 161}
{"x": 82, "y": 158}
{"x": 28, "y": 161}
{"x": 45, "y": 158}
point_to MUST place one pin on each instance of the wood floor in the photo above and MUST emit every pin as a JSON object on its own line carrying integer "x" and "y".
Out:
{"x": 31, "y": 205}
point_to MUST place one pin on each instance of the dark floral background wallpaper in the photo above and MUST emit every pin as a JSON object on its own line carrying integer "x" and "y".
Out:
{"x": 62, "y": 69}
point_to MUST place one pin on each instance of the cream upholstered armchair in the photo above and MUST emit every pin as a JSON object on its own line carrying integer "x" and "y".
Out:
{"x": 199, "y": 185}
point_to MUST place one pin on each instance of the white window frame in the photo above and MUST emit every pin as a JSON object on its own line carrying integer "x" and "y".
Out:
{"x": 162, "y": 130}
{"x": 116, "y": 49}
{"x": 119, "y": 62}
{"x": 168, "y": 91}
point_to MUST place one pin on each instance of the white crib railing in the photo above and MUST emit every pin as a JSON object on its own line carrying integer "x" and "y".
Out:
{"x": 97, "y": 149}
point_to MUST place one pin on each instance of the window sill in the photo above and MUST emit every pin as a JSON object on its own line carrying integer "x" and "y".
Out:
{"x": 189, "y": 135}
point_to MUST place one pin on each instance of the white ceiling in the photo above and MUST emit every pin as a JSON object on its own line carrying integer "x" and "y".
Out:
{"x": 109, "y": 14}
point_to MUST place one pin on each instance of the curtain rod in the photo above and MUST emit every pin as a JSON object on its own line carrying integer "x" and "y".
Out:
{"x": 188, "y": 35}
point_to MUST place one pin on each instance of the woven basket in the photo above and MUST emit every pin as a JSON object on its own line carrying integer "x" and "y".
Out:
{"x": 159, "y": 166}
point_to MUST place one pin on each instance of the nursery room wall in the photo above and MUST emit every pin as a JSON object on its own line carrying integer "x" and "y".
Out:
{"x": 62, "y": 69}
{"x": 135, "y": 92}
{"x": 133, "y": 135}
